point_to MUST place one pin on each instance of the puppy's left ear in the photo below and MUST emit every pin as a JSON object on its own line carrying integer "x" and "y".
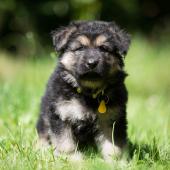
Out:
{"x": 61, "y": 37}
{"x": 121, "y": 39}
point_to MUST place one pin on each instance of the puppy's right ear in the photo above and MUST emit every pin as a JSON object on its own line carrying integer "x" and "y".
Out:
{"x": 61, "y": 36}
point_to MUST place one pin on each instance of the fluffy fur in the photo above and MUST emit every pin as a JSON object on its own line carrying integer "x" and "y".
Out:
{"x": 90, "y": 69}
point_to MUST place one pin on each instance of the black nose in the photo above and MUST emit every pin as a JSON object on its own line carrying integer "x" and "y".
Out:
{"x": 92, "y": 63}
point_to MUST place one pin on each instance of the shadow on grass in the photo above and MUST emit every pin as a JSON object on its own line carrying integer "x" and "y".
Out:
{"x": 140, "y": 152}
{"x": 144, "y": 151}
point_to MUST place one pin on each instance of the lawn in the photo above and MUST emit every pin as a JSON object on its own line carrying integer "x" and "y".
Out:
{"x": 22, "y": 83}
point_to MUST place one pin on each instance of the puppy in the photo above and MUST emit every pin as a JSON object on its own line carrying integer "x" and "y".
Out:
{"x": 85, "y": 99}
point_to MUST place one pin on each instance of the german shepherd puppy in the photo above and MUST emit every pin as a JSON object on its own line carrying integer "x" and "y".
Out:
{"x": 85, "y": 99}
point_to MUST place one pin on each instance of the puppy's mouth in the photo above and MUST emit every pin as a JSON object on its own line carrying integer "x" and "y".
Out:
{"x": 91, "y": 80}
{"x": 91, "y": 76}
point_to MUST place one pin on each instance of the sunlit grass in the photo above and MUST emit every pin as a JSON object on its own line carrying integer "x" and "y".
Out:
{"x": 22, "y": 83}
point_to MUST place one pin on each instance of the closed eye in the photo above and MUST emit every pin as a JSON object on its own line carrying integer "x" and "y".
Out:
{"x": 75, "y": 46}
{"x": 79, "y": 48}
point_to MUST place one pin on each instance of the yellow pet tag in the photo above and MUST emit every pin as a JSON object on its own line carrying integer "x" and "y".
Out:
{"x": 102, "y": 107}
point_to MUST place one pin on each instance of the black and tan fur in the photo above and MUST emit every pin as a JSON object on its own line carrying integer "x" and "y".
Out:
{"x": 91, "y": 55}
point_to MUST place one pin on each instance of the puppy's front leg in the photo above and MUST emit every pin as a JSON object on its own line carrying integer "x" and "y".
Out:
{"x": 64, "y": 143}
{"x": 109, "y": 148}
{"x": 120, "y": 134}
{"x": 62, "y": 140}
{"x": 66, "y": 113}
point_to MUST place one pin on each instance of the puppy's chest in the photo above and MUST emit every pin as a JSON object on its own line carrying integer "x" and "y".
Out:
{"x": 77, "y": 109}
{"x": 103, "y": 110}
{"x": 109, "y": 116}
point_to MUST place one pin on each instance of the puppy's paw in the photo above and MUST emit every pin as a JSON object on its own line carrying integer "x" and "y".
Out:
{"x": 112, "y": 152}
{"x": 76, "y": 157}
{"x": 42, "y": 144}
{"x": 72, "y": 157}
{"x": 107, "y": 151}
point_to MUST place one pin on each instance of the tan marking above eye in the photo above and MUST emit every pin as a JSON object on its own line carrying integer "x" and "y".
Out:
{"x": 84, "y": 40}
{"x": 100, "y": 40}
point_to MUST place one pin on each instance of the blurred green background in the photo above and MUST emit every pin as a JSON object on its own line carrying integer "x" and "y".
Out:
{"x": 25, "y": 25}
{"x": 27, "y": 59}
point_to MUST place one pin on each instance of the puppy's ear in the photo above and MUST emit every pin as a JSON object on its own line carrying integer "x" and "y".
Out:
{"x": 121, "y": 39}
{"x": 61, "y": 37}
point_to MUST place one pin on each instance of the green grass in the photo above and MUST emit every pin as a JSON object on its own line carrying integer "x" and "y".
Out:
{"x": 22, "y": 83}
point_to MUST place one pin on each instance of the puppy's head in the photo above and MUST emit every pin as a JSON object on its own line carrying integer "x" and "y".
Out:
{"x": 92, "y": 51}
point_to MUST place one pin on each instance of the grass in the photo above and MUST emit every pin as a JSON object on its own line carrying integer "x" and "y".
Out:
{"x": 22, "y": 83}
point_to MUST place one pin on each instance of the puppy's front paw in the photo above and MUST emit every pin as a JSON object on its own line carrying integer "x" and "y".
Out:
{"x": 42, "y": 144}
{"x": 110, "y": 151}
{"x": 76, "y": 157}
